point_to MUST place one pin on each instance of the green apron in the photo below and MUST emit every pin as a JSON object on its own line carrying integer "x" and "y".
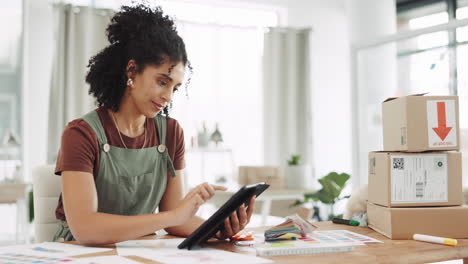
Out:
{"x": 129, "y": 181}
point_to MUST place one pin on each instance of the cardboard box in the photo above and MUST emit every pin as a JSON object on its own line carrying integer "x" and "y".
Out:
{"x": 269, "y": 174}
{"x": 421, "y": 123}
{"x": 402, "y": 223}
{"x": 399, "y": 179}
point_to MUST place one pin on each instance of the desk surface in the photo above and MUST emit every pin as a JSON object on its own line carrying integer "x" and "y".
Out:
{"x": 391, "y": 251}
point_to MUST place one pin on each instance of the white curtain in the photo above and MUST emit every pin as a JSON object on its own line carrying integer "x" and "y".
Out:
{"x": 79, "y": 34}
{"x": 287, "y": 96}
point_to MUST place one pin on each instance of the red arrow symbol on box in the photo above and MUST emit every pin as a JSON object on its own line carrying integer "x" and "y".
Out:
{"x": 442, "y": 131}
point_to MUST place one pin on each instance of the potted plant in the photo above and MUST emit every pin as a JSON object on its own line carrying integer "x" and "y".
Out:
{"x": 298, "y": 175}
{"x": 330, "y": 193}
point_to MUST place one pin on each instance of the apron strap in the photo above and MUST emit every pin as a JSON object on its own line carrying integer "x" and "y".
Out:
{"x": 170, "y": 166}
{"x": 92, "y": 118}
{"x": 161, "y": 126}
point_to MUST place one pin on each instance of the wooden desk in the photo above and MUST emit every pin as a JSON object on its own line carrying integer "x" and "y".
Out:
{"x": 391, "y": 251}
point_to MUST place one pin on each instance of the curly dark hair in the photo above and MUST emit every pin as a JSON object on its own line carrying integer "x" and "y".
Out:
{"x": 141, "y": 33}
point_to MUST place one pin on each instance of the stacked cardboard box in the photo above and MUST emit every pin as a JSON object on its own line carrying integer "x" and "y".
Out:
{"x": 415, "y": 184}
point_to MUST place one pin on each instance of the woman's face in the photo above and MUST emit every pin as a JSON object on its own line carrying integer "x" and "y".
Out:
{"x": 152, "y": 89}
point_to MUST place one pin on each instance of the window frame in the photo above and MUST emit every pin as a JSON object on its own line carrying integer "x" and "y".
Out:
{"x": 409, "y": 7}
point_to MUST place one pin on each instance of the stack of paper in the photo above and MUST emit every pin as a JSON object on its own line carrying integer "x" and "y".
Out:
{"x": 300, "y": 247}
{"x": 329, "y": 241}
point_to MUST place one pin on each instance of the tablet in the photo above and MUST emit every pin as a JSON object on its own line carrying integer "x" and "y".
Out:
{"x": 216, "y": 222}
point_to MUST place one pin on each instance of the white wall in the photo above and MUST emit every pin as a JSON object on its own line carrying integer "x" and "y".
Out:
{"x": 375, "y": 77}
{"x": 330, "y": 81}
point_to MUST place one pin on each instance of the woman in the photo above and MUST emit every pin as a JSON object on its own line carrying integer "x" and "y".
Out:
{"x": 125, "y": 159}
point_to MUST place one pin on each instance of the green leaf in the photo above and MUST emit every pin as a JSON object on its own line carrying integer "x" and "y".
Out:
{"x": 311, "y": 196}
{"x": 295, "y": 159}
{"x": 334, "y": 183}
{"x": 332, "y": 186}
{"x": 322, "y": 196}
{"x": 339, "y": 179}
{"x": 296, "y": 203}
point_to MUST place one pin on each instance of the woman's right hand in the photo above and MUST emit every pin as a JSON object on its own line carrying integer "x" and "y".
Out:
{"x": 193, "y": 200}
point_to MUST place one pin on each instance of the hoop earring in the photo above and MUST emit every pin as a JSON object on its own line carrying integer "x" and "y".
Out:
{"x": 129, "y": 82}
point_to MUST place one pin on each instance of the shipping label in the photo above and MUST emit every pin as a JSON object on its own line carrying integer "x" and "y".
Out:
{"x": 419, "y": 178}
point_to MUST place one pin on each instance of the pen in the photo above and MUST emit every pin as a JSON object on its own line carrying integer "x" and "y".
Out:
{"x": 434, "y": 239}
{"x": 345, "y": 221}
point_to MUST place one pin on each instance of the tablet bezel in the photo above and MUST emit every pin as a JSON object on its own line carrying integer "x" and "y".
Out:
{"x": 216, "y": 222}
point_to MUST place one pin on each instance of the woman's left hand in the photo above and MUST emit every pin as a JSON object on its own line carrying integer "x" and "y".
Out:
{"x": 236, "y": 221}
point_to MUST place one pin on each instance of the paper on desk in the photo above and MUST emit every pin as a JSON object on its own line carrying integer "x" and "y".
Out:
{"x": 106, "y": 260}
{"x": 344, "y": 236}
{"x": 21, "y": 258}
{"x": 135, "y": 247}
{"x": 202, "y": 255}
{"x": 49, "y": 249}
{"x": 340, "y": 236}
{"x": 18, "y": 258}
{"x": 166, "y": 251}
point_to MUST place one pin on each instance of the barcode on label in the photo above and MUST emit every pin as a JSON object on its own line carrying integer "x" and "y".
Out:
{"x": 398, "y": 163}
{"x": 419, "y": 189}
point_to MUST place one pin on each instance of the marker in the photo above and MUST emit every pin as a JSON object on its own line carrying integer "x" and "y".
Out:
{"x": 291, "y": 236}
{"x": 434, "y": 239}
{"x": 345, "y": 222}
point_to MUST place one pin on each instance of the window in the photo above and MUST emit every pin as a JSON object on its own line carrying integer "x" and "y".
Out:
{"x": 434, "y": 39}
{"x": 462, "y": 33}
{"x": 224, "y": 46}
{"x": 462, "y": 63}
{"x": 11, "y": 28}
{"x": 220, "y": 15}
{"x": 10, "y": 79}
{"x": 434, "y": 62}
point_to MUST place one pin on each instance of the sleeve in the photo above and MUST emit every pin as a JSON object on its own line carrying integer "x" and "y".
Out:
{"x": 78, "y": 149}
{"x": 179, "y": 155}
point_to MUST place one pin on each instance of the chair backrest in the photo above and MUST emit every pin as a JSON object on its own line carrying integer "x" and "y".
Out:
{"x": 47, "y": 188}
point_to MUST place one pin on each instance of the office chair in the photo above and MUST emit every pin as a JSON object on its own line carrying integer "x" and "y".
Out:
{"x": 47, "y": 188}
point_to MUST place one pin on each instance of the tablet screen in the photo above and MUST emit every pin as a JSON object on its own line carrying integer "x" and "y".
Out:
{"x": 216, "y": 222}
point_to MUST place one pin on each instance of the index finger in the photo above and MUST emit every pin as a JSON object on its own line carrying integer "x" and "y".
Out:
{"x": 252, "y": 200}
{"x": 218, "y": 188}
